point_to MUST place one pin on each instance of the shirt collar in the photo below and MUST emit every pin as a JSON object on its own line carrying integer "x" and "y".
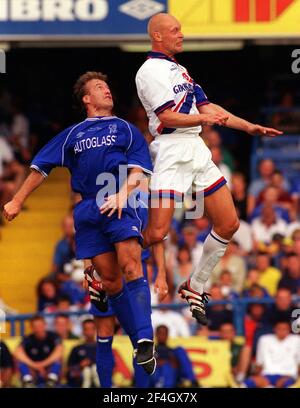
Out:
{"x": 161, "y": 55}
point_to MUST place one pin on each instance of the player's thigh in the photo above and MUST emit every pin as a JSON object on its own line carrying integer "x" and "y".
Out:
{"x": 220, "y": 209}
{"x": 105, "y": 326}
{"x": 160, "y": 213}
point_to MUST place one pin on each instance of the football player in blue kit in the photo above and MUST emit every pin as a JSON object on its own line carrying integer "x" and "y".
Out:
{"x": 108, "y": 229}
{"x": 105, "y": 319}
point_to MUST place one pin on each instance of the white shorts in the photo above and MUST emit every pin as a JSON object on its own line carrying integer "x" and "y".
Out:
{"x": 183, "y": 164}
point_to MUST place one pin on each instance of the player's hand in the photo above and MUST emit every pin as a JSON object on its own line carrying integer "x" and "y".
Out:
{"x": 11, "y": 209}
{"x": 113, "y": 203}
{"x": 263, "y": 131}
{"x": 161, "y": 288}
{"x": 214, "y": 119}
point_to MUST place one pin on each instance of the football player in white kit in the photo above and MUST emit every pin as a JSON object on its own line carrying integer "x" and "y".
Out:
{"x": 177, "y": 107}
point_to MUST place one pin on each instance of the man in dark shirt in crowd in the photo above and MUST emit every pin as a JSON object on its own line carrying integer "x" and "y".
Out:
{"x": 82, "y": 370}
{"x": 6, "y": 366}
{"x": 39, "y": 356}
{"x": 283, "y": 307}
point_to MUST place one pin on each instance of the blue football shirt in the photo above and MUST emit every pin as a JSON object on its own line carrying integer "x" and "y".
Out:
{"x": 90, "y": 148}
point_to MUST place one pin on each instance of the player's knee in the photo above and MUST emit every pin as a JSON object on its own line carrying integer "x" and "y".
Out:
{"x": 112, "y": 286}
{"x": 228, "y": 228}
{"x": 131, "y": 269}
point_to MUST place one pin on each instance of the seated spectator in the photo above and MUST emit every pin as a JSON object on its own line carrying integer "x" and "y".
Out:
{"x": 189, "y": 239}
{"x": 174, "y": 321}
{"x": 174, "y": 368}
{"x": 277, "y": 359}
{"x": 63, "y": 305}
{"x": 81, "y": 366}
{"x": 287, "y": 116}
{"x": 270, "y": 197}
{"x": 212, "y": 138}
{"x": 243, "y": 236}
{"x": 226, "y": 285}
{"x": 73, "y": 287}
{"x": 184, "y": 266}
{"x": 283, "y": 307}
{"x": 266, "y": 169}
{"x": 203, "y": 227}
{"x": 63, "y": 327}
{"x": 39, "y": 356}
{"x": 268, "y": 224}
{"x": 64, "y": 250}
{"x": 269, "y": 276}
{"x": 47, "y": 293}
{"x": 252, "y": 285}
{"x": 234, "y": 263}
{"x": 239, "y": 194}
{"x": 217, "y": 158}
{"x": 217, "y": 314}
{"x": 291, "y": 276}
{"x": 6, "y": 366}
{"x": 227, "y": 332}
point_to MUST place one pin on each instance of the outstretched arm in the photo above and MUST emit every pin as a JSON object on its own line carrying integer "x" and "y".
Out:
{"x": 238, "y": 123}
{"x": 13, "y": 207}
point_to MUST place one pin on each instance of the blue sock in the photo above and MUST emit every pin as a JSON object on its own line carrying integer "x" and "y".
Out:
{"x": 122, "y": 308}
{"x": 141, "y": 304}
{"x": 141, "y": 378}
{"x": 105, "y": 361}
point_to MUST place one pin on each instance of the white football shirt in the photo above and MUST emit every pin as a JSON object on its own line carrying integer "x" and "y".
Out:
{"x": 279, "y": 356}
{"x": 164, "y": 84}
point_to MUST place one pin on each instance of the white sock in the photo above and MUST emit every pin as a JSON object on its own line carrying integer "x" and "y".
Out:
{"x": 214, "y": 248}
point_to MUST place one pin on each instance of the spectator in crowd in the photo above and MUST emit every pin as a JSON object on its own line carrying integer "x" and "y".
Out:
{"x": 64, "y": 306}
{"x": 81, "y": 366}
{"x": 212, "y": 138}
{"x": 174, "y": 321}
{"x": 189, "y": 238}
{"x": 217, "y": 158}
{"x": 217, "y": 314}
{"x": 239, "y": 194}
{"x": 174, "y": 368}
{"x": 73, "y": 285}
{"x": 47, "y": 293}
{"x": 265, "y": 226}
{"x": 266, "y": 170}
{"x": 227, "y": 332}
{"x": 291, "y": 277}
{"x": 270, "y": 197}
{"x": 269, "y": 276}
{"x": 184, "y": 266}
{"x": 287, "y": 116}
{"x": 20, "y": 133}
{"x": 234, "y": 263}
{"x": 39, "y": 356}
{"x": 226, "y": 285}
{"x": 64, "y": 250}
{"x": 252, "y": 285}
{"x": 283, "y": 307}
{"x": 63, "y": 327}
{"x": 243, "y": 236}
{"x": 277, "y": 359}
{"x": 6, "y": 366}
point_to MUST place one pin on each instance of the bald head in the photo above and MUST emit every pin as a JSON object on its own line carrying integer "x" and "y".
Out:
{"x": 165, "y": 33}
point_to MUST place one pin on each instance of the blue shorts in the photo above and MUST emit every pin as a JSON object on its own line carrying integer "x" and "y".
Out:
{"x": 96, "y": 233}
{"x": 275, "y": 377}
{"x": 96, "y": 313}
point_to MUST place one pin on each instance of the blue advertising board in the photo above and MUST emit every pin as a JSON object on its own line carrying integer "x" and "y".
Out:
{"x": 68, "y": 18}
